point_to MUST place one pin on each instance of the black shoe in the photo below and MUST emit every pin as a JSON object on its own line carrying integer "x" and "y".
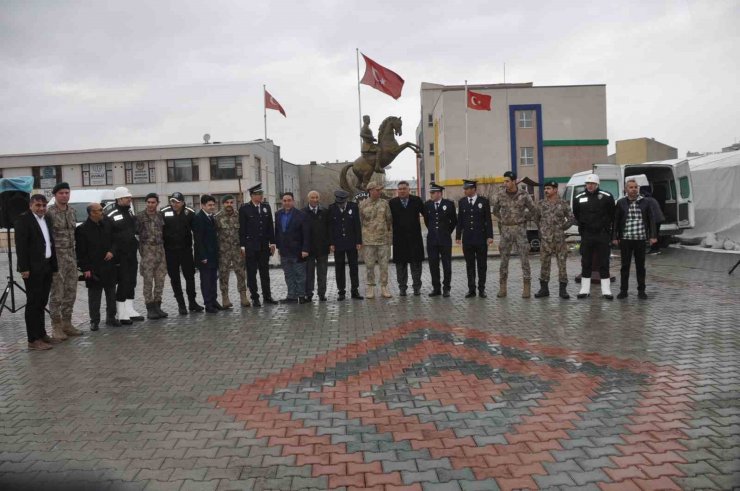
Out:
{"x": 256, "y": 302}
{"x": 583, "y": 295}
{"x": 470, "y": 294}
{"x": 269, "y": 300}
{"x": 161, "y": 312}
{"x": 303, "y": 300}
{"x": 446, "y": 294}
{"x": 289, "y": 300}
{"x": 94, "y": 326}
{"x": 219, "y": 306}
{"x": 126, "y": 322}
{"x": 417, "y": 293}
{"x": 642, "y": 295}
{"x": 211, "y": 309}
{"x": 482, "y": 294}
{"x": 322, "y": 298}
{"x": 357, "y": 296}
{"x": 622, "y": 295}
{"x": 341, "y": 297}
{"x": 194, "y": 307}
{"x": 112, "y": 322}
{"x": 402, "y": 293}
{"x": 608, "y": 297}
{"x": 435, "y": 293}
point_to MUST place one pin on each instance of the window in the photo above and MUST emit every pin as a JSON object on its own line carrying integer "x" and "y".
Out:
{"x": 182, "y": 170}
{"x": 257, "y": 169}
{"x": 430, "y": 120}
{"x": 141, "y": 172}
{"x": 431, "y": 149}
{"x": 46, "y": 177}
{"x": 226, "y": 167}
{"x": 685, "y": 188}
{"x": 431, "y": 177}
{"x": 97, "y": 174}
{"x": 525, "y": 119}
{"x": 526, "y": 156}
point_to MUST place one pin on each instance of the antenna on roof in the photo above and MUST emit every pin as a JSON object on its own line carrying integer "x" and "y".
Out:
{"x": 206, "y": 138}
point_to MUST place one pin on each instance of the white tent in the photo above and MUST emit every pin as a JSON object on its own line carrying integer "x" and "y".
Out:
{"x": 716, "y": 181}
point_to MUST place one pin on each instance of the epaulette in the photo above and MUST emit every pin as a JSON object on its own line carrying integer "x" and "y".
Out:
{"x": 190, "y": 209}
{"x": 166, "y": 208}
{"x": 579, "y": 194}
{"x": 112, "y": 212}
{"x": 605, "y": 193}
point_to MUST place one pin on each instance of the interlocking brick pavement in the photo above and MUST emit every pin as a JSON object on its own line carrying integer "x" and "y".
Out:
{"x": 407, "y": 393}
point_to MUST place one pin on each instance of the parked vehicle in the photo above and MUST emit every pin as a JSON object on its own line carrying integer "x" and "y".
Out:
{"x": 669, "y": 182}
{"x": 80, "y": 198}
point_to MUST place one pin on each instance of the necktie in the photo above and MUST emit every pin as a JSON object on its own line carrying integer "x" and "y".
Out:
{"x": 436, "y": 206}
{"x": 404, "y": 202}
{"x": 471, "y": 201}
{"x": 315, "y": 211}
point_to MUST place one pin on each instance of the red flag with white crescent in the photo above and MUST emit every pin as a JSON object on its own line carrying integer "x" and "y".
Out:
{"x": 478, "y": 101}
{"x": 382, "y": 78}
{"x": 271, "y": 103}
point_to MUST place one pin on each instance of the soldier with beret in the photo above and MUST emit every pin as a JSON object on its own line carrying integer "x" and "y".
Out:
{"x": 153, "y": 267}
{"x": 64, "y": 280}
{"x": 257, "y": 240}
{"x": 230, "y": 257}
{"x": 345, "y": 240}
{"x": 475, "y": 231}
{"x": 554, "y": 217}
{"x": 440, "y": 219}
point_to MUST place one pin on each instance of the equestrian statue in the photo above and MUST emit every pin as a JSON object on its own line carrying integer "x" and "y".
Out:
{"x": 375, "y": 156}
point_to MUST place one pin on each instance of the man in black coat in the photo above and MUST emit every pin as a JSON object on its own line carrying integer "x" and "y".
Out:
{"x": 125, "y": 247}
{"x": 206, "y": 251}
{"x": 34, "y": 245}
{"x": 345, "y": 240}
{"x": 317, "y": 262}
{"x": 440, "y": 218}
{"x": 293, "y": 240}
{"x": 475, "y": 231}
{"x": 94, "y": 246}
{"x": 408, "y": 245}
{"x": 257, "y": 239}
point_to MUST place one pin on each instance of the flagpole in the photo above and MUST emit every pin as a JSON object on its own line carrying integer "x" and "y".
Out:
{"x": 359, "y": 99}
{"x": 264, "y": 142}
{"x": 467, "y": 152}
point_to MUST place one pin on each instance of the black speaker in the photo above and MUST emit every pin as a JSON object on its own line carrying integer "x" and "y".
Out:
{"x": 12, "y": 204}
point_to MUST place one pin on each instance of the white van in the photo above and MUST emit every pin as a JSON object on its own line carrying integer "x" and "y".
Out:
{"x": 670, "y": 184}
{"x": 80, "y": 198}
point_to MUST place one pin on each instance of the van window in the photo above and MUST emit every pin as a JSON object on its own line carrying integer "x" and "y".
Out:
{"x": 611, "y": 186}
{"x": 673, "y": 189}
{"x": 568, "y": 193}
{"x": 683, "y": 184}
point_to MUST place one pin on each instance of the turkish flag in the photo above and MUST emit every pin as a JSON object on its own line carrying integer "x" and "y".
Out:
{"x": 271, "y": 103}
{"x": 479, "y": 102}
{"x": 381, "y": 78}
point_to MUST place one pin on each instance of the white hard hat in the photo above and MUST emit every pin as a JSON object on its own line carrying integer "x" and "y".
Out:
{"x": 121, "y": 192}
{"x": 592, "y": 178}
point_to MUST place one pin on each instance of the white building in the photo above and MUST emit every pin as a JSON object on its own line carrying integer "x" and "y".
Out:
{"x": 543, "y": 133}
{"x": 192, "y": 169}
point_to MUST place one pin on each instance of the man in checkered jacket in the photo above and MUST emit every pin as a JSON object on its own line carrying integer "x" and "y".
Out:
{"x": 634, "y": 225}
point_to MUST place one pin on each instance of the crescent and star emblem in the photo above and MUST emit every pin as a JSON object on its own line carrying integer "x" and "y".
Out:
{"x": 475, "y": 101}
{"x": 378, "y": 78}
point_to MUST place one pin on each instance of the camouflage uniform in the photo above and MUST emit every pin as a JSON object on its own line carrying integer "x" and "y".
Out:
{"x": 64, "y": 281}
{"x": 376, "y": 238}
{"x": 153, "y": 266}
{"x": 553, "y": 219}
{"x": 229, "y": 255}
{"x": 510, "y": 210}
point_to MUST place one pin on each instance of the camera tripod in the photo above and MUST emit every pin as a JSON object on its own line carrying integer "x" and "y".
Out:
{"x": 735, "y": 266}
{"x": 9, "y": 291}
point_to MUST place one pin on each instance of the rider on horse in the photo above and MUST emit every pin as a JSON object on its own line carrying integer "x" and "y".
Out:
{"x": 369, "y": 147}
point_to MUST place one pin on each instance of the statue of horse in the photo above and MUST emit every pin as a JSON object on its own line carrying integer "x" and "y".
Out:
{"x": 368, "y": 163}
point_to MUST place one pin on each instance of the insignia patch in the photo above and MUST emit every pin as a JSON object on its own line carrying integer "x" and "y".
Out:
{"x": 480, "y": 205}
{"x": 583, "y": 200}
{"x": 117, "y": 217}
{"x": 169, "y": 213}
{"x": 444, "y": 207}
{"x": 349, "y": 212}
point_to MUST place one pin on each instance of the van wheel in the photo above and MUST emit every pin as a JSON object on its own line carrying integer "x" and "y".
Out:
{"x": 534, "y": 244}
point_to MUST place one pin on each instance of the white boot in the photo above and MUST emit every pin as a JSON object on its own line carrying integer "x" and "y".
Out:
{"x": 585, "y": 288}
{"x": 133, "y": 315}
{"x": 606, "y": 289}
{"x": 122, "y": 313}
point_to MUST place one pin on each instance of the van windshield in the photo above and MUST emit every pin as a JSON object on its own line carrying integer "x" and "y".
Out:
{"x": 80, "y": 211}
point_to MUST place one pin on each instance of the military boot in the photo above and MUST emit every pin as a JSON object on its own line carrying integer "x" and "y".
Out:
{"x": 385, "y": 292}
{"x": 370, "y": 291}
{"x": 57, "y": 329}
{"x": 244, "y": 299}
{"x": 502, "y": 287}
{"x": 69, "y": 329}
{"x": 527, "y": 290}
{"x": 544, "y": 290}
{"x": 181, "y": 308}
{"x": 151, "y": 311}
{"x": 162, "y": 313}
{"x": 563, "y": 292}
{"x": 225, "y": 300}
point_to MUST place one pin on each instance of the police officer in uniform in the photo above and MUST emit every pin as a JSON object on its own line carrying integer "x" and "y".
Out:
{"x": 594, "y": 213}
{"x": 178, "y": 250}
{"x": 440, "y": 219}
{"x": 124, "y": 228}
{"x": 475, "y": 231}
{"x": 345, "y": 240}
{"x": 257, "y": 240}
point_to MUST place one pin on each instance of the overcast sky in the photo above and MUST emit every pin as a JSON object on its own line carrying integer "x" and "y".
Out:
{"x": 94, "y": 74}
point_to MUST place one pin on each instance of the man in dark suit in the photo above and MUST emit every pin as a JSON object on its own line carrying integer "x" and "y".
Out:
{"x": 475, "y": 228}
{"x": 408, "y": 245}
{"x": 345, "y": 240}
{"x": 440, "y": 219}
{"x": 293, "y": 240}
{"x": 94, "y": 247}
{"x": 206, "y": 251}
{"x": 317, "y": 262}
{"x": 34, "y": 245}
{"x": 257, "y": 239}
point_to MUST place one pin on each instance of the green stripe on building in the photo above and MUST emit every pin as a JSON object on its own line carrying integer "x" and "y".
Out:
{"x": 559, "y": 180}
{"x": 574, "y": 143}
